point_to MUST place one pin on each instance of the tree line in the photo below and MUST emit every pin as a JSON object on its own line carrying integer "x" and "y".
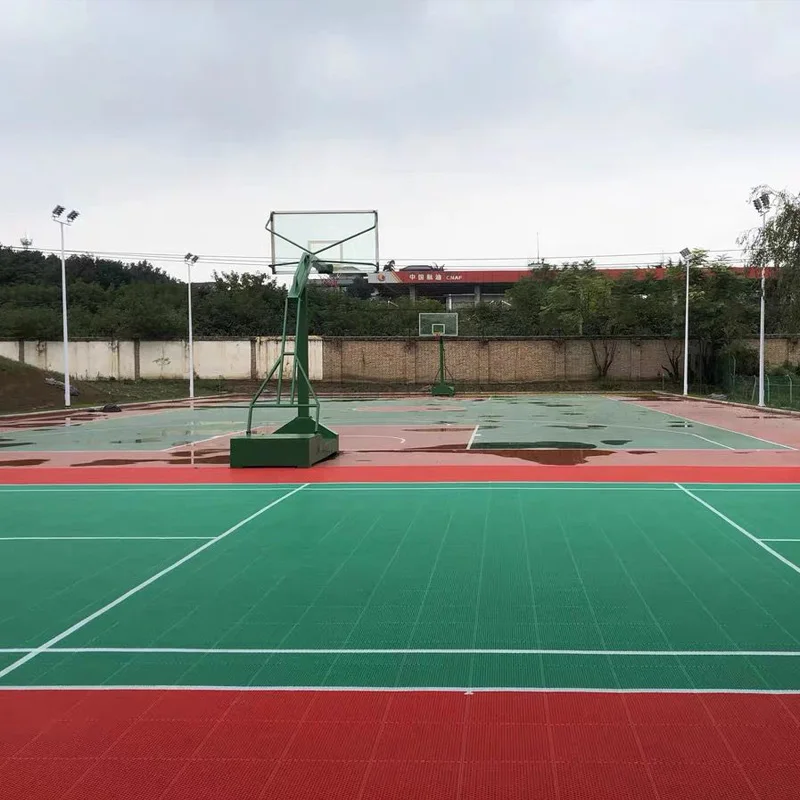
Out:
{"x": 109, "y": 298}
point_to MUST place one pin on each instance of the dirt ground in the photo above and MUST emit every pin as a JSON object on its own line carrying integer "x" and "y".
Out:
{"x": 24, "y": 388}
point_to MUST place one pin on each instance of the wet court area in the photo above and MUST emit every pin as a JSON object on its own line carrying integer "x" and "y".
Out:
{"x": 544, "y": 429}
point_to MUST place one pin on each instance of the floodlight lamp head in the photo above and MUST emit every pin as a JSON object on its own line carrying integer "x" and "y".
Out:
{"x": 73, "y": 215}
{"x": 685, "y": 253}
{"x": 765, "y": 201}
{"x": 191, "y": 258}
{"x": 58, "y": 211}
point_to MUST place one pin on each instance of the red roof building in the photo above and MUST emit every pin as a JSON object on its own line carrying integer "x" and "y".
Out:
{"x": 455, "y": 287}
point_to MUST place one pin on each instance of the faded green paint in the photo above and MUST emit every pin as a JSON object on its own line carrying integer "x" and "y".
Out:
{"x": 520, "y": 421}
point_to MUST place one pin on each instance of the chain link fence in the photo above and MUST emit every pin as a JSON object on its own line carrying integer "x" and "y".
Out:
{"x": 780, "y": 391}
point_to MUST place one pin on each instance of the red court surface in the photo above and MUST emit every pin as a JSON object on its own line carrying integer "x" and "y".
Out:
{"x": 79, "y": 745}
{"x": 299, "y": 743}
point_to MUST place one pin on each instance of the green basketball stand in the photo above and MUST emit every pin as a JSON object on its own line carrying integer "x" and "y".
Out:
{"x": 303, "y": 441}
{"x": 439, "y": 326}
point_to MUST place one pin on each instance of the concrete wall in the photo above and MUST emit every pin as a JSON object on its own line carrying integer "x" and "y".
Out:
{"x": 87, "y": 359}
{"x": 370, "y": 360}
{"x": 91, "y": 359}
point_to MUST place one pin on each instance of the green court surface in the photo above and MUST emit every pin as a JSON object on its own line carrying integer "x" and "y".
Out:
{"x": 575, "y": 585}
{"x": 526, "y": 421}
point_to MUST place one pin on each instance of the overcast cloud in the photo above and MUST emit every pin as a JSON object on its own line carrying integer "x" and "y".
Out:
{"x": 608, "y": 127}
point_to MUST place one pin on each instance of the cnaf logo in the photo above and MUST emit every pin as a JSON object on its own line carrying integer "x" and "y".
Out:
{"x": 434, "y": 276}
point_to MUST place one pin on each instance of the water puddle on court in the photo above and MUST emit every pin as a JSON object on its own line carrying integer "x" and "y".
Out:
{"x": 579, "y": 427}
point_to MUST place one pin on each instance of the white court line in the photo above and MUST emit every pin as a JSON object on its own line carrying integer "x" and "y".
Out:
{"x": 705, "y": 439}
{"x": 370, "y": 436}
{"x": 411, "y": 651}
{"x": 192, "y": 444}
{"x": 170, "y": 687}
{"x": 739, "y": 528}
{"x": 775, "y": 488}
{"x": 98, "y": 538}
{"x": 144, "y": 584}
{"x": 719, "y": 428}
{"x": 780, "y": 540}
{"x": 472, "y": 437}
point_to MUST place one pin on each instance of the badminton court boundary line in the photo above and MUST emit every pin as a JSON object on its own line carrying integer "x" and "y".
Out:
{"x": 255, "y": 651}
{"x": 143, "y": 585}
{"x": 739, "y": 528}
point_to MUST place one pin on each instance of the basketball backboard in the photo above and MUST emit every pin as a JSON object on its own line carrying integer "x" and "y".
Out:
{"x": 343, "y": 238}
{"x": 438, "y": 324}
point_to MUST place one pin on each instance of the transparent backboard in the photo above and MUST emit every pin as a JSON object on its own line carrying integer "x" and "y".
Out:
{"x": 438, "y": 324}
{"x": 346, "y": 239}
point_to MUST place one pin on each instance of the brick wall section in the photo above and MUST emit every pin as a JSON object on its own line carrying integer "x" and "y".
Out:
{"x": 490, "y": 361}
{"x": 778, "y": 351}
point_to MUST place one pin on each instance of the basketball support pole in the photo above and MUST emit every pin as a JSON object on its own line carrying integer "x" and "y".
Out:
{"x": 302, "y": 441}
{"x": 442, "y": 388}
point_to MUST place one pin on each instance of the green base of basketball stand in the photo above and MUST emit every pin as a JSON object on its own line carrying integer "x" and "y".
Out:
{"x": 293, "y": 445}
{"x": 443, "y": 390}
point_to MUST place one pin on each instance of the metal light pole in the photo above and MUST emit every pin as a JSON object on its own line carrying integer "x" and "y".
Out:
{"x": 686, "y": 253}
{"x": 761, "y": 205}
{"x": 190, "y": 259}
{"x": 56, "y": 214}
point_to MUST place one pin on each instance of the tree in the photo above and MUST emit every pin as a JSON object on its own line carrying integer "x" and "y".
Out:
{"x": 778, "y": 243}
{"x": 359, "y": 289}
{"x": 526, "y": 298}
{"x": 722, "y": 311}
{"x": 577, "y": 301}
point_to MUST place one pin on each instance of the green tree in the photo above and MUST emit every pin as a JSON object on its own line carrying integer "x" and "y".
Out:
{"x": 777, "y": 244}
{"x": 526, "y": 298}
{"x": 723, "y": 310}
{"x": 577, "y": 302}
{"x": 359, "y": 289}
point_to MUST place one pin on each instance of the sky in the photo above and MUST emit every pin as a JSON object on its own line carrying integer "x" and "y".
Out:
{"x": 605, "y": 127}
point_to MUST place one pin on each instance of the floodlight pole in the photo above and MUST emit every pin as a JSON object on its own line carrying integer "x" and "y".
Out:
{"x": 761, "y": 205}
{"x": 762, "y": 317}
{"x": 190, "y": 259}
{"x": 686, "y": 253}
{"x": 57, "y": 215}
